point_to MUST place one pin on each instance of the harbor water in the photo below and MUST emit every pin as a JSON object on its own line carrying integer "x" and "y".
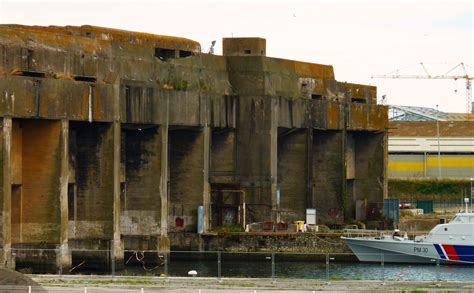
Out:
{"x": 319, "y": 270}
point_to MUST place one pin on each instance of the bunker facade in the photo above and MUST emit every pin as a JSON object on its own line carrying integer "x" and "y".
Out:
{"x": 120, "y": 140}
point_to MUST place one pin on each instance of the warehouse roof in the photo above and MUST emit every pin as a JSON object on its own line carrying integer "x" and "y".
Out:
{"x": 411, "y": 113}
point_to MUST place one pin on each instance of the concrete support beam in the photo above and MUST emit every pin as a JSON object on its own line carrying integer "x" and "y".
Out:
{"x": 385, "y": 165}
{"x": 309, "y": 168}
{"x": 117, "y": 244}
{"x": 64, "y": 257}
{"x": 257, "y": 155}
{"x": 206, "y": 192}
{"x": 164, "y": 242}
{"x": 344, "y": 194}
{"x": 7, "y": 194}
{"x": 274, "y": 156}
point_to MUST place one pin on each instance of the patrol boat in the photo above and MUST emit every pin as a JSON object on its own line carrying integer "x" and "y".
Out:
{"x": 451, "y": 243}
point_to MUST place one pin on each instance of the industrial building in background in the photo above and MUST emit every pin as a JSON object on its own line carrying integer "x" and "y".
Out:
{"x": 427, "y": 143}
{"x": 115, "y": 140}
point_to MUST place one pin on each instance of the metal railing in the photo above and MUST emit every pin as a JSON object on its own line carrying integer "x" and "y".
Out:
{"x": 220, "y": 264}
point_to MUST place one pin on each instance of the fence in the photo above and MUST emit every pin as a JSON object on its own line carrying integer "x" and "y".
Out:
{"x": 450, "y": 205}
{"x": 219, "y": 264}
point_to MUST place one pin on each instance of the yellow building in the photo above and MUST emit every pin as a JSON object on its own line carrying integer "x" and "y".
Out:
{"x": 440, "y": 146}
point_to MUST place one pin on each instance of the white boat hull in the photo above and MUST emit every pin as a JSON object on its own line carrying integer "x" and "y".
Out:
{"x": 407, "y": 251}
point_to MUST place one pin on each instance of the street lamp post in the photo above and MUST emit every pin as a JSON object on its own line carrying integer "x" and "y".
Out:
{"x": 472, "y": 191}
{"x": 439, "y": 148}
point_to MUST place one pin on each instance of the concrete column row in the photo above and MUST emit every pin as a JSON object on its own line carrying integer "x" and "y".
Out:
{"x": 7, "y": 192}
{"x": 64, "y": 257}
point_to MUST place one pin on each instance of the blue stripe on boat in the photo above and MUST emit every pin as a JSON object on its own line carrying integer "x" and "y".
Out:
{"x": 440, "y": 251}
{"x": 465, "y": 252}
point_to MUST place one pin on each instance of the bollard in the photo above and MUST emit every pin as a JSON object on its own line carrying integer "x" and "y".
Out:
{"x": 85, "y": 289}
{"x": 29, "y": 289}
{"x": 142, "y": 291}
{"x": 219, "y": 269}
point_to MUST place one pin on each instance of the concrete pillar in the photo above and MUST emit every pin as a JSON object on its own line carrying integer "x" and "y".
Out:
{"x": 344, "y": 197}
{"x": 117, "y": 245}
{"x": 64, "y": 256}
{"x": 206, "y": 192}
{"x": 274, "y": 155}
{"x": 309, "y": 168}
{"x": 385, "y": 165}
{"x": 164, "y": 242}
{"x": 7, "y": 194}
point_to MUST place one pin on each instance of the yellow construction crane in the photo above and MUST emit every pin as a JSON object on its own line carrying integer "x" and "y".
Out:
{"x": 447, "y": 75}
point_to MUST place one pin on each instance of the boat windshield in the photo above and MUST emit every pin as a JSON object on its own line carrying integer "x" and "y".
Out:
{"x": 463, "y": 219}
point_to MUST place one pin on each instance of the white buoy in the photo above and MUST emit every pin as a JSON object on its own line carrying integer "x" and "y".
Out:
{"x": 192, "y": 273}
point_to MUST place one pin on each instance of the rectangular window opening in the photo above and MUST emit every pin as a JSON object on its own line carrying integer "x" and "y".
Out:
{"x": 85, "y": 78}
{"x": 32, "y": 73}
{"x": 316, "y": 97}
{"x": 184, "y": 54}
{"x": 247, "y": 52}
{"x": 164, "y": 54}
{"x": 358, "y": 100}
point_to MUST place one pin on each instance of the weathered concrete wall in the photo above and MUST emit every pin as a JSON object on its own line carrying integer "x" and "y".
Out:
{"x": 92, "y": 157}
{"x": 292, "y": 174}
{"x": 317, "y": 243}
{"x": 39, "y": 203}
{"x": 254, "y": 138}
{"x": 2, "y": 225}
{"x": 17, "y": 152}
{"x": 140, "y": 202}
{"x": 186, "y": 177}
{"x": 223, "y": 164}
{"x": 369, "y": 173}
{"x": 328, "y": 172}
{"x": 365, "y": 169}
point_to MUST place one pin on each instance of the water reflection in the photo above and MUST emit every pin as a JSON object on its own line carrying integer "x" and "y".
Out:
{"x": 312, "y": 269}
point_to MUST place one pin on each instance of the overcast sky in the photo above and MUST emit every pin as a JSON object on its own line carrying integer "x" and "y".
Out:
{"x": 359, "y": 38}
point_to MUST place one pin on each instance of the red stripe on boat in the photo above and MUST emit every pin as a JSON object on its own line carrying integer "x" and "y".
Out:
{"x": 451, "y": 252}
